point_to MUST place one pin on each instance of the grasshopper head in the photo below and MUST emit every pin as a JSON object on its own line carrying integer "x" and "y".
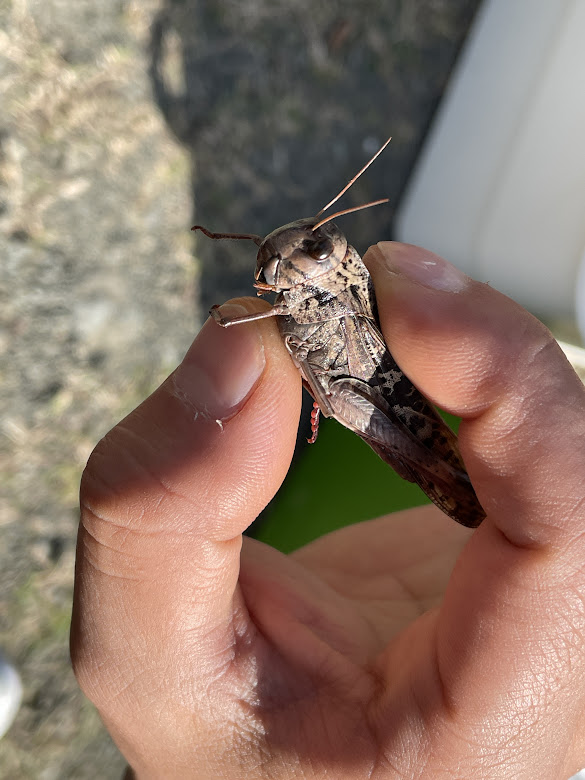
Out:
{"x": 295, "y": 254}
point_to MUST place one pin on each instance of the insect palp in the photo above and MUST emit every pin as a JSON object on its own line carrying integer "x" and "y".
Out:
{"x": 266, "y": 274}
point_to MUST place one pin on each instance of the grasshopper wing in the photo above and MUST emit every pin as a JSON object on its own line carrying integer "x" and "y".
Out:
{"x": 415, "y": 457}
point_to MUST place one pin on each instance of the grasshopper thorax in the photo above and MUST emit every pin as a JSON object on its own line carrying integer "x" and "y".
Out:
{"x": 295, "y": 254}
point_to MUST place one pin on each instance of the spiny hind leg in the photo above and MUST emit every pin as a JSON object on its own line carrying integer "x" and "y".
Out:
{"x": 315, "y": 411}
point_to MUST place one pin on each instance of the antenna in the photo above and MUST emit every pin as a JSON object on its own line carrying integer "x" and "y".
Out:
{"x": 355, "y": 178}
{"x": 250, "y": 236}
{"x": 348, "y": 211}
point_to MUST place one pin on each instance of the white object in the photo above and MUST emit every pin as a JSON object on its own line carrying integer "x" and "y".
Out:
{"x": 10, "y": 695}
{"x": 576, "y": 357}
{"x": 500, "y": 185}
{"x": 580, "y": 300}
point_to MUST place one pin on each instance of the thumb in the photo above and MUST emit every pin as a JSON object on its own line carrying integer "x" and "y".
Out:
{"x": 165, "y": 498}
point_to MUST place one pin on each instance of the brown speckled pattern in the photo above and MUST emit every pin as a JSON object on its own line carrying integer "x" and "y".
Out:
{"x": 333, "y": 336}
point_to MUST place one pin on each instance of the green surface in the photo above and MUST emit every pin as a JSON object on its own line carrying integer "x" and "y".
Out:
{"x": 337, "y": 481}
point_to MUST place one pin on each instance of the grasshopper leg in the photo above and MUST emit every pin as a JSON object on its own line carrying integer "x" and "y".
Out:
{"x": 314, "y": 423}
{"x": 225, "y": 322}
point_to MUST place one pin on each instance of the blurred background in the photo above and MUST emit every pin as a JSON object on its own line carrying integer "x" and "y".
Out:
{"x": 122, "y": 123}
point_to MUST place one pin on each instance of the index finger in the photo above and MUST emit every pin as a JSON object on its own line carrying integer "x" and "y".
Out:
{"x": 481, "y": 356}
{"x": 510, "y": 634}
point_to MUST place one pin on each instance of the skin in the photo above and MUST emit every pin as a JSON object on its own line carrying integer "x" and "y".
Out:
{"x": 406, "y": 647}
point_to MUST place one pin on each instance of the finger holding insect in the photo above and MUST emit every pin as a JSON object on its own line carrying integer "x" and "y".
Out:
{"x": 165, "y": 497}
{"x": 478, "y": 354}
{"x": 233, "y": 385}
{"x": 511, "y": 631}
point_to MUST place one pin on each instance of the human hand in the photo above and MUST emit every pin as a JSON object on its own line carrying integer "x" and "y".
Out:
{"x": 364, "y": 654}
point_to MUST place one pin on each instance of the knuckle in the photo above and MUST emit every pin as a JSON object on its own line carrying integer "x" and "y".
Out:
{"x": 116, "y": 476}
{"x": 117, "y": 492}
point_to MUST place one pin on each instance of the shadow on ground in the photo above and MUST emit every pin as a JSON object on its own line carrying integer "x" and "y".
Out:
{"x": 279, "y": 104}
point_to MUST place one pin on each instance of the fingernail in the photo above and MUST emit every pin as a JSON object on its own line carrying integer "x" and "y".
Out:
{"x": 221, "y": 367}
{"x": 422, "y": 267}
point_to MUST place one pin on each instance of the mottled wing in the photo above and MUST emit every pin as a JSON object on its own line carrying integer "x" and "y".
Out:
{"x": 371, "y": 396}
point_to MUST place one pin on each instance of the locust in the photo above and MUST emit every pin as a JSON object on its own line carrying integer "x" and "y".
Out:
{"x": 327, "y": 315}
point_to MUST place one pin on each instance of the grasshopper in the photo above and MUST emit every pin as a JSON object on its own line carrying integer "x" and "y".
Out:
{"x": 327, "y": 315}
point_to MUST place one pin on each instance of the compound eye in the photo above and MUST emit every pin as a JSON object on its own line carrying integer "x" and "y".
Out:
{"x": 320, "y": 250}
